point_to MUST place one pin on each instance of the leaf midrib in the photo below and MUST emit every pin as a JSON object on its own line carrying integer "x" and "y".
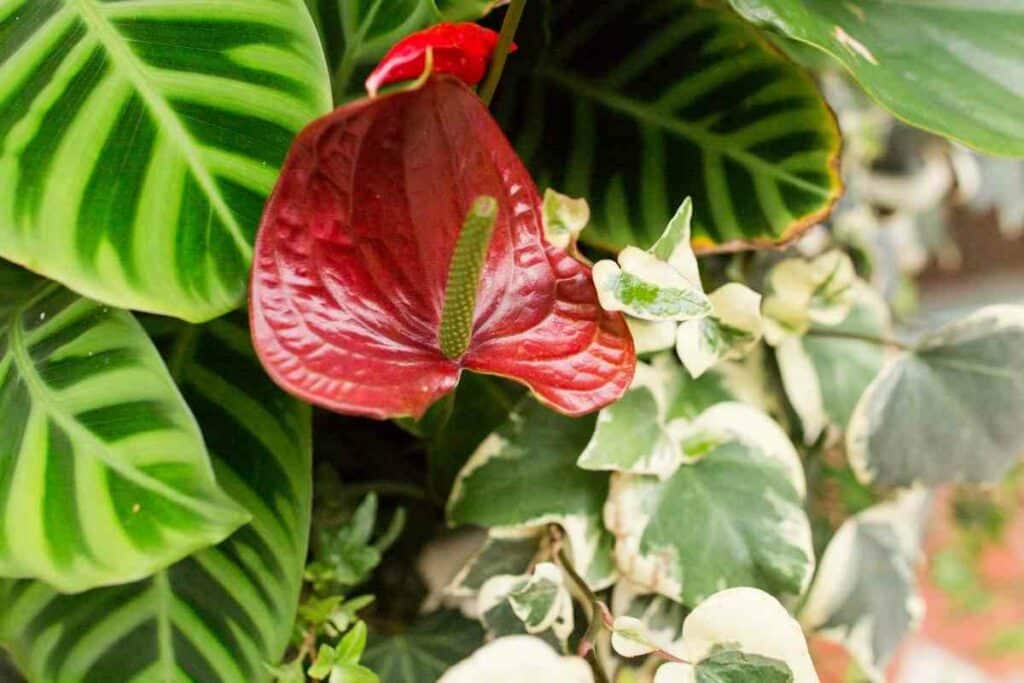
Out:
{"x": 44, "y": 396}
{"x": 704, "y": 138}
{"x": 122, "y": 56}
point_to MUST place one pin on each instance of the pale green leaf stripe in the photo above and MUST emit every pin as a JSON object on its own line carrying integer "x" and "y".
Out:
{"x": 140, "y": 138}
{"x": 223, "y": 612}
{"x": 104, "y": 476}
{"x": 638, "y": 105}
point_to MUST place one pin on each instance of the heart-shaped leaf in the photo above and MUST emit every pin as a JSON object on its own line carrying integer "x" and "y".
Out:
{"x": 423, "y": 651}
{"x": 140, "y": 141}
{"x": 947, "y": 411}
{"x": 953, "y": 67}
{"x": 734, "y": 517}
{"x": 865, "y": 594}
{"x": 638, "y": 105}
{"x": 354, "y": 254}
{"x": 104, "y": 477}
{"x": 223, "y": 613}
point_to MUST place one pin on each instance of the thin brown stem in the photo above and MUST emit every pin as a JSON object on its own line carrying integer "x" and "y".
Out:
{"x": 508, "y": 32}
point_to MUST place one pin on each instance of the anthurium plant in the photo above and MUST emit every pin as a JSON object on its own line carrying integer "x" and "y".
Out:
{"x": 462, "y": 341}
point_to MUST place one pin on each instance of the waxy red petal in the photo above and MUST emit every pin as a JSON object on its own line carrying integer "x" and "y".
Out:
{"x": 462, "y": 50}
{"x": 353, "y": 253}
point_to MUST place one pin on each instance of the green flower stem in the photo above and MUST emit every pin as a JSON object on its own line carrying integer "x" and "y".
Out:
{"x": 508, "y": 32}
{"x": 464, "y": 277}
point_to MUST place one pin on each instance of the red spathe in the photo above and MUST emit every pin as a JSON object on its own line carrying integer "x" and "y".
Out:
{"x": 352, "y": 259}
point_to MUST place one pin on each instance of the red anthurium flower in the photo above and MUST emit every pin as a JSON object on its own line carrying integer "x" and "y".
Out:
{"x": 462, "y": 49}
{"x": 354, "y": 250}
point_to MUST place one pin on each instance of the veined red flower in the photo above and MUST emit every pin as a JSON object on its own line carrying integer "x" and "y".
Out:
{"x": 355, "y": 247}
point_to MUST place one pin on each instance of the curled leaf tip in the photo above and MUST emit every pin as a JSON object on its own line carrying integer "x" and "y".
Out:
{"x": 462, "y": 49}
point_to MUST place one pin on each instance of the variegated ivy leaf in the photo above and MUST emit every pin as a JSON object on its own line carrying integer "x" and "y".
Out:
{"x": 632, "y": 638}
{"x": 659, "y": 284}
{"x": 537, "y": 604}
{"x": 865, "y": 593}
{"x": 730, "y": 331}
{"x": 514, "y": 659}
{"x": 740, "y": 635}
{"x": 525, "y": 474}
{"x": 949, "y": 410}
{"x": 661, "y": 617}
{"x": 823, "y": 375}
{"x": 564, "y": 219}
{"x": 506, "y": 551}
{"x": 633, "y": 434}
{"x": 733, "y": 518}
{"x": 802, "y": 292}
{"x": 423, "y": 650}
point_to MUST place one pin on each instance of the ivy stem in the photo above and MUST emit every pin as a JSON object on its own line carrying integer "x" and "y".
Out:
{"x": 855, "y": 336}
{"x": 508, "y": 32}
{"x": 600, "y": 616}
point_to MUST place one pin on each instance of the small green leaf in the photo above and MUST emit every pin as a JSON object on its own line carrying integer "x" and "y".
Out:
{"x": 733, "y": 327}
{"x": 101, "y": 459}
{"x": 731, "y": 666}
{"x": 564, "y": 218}
{"x": 423, "y": 651}
{"x": 351, "y": 647}
{"x": 947, "y": 411}
{"x": 952, "y": 67}
{"x": 645, "y": 287}
{"x": 538, "y": 604}
{"x": 802, "y": 292}
{"x": 865, "y": 594}
{"x": 743, "y": 502}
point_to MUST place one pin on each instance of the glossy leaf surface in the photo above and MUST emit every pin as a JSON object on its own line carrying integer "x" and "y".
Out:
{"x": 224, "y": 612}
{"x": 139, "y": 141}
{"x": 462, "y": 50}
{"x": 104, "y": 476}
{"x": 953, "y": 67}
{"x": 354, "y": 252}
{"x": 638, "y": 105}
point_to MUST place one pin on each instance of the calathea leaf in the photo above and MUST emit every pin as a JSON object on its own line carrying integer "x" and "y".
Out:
{"x": 865, "y": 593}
{"x": 740, "y": 635}
{"x": 950, "y": 67}
{"x": 824, "y": 375}
{"x": 104, "y": 467}
{"x": 140, "y": 140}
{"x": 225, "y": 612}
{"x": 734, "y": 517}
{"x": 729, "y": 331}
{"x": 525, "y": 474}
{"x": 947, "y": 410}
{"x": 353, "y": 259}
{"x": 637, "y": 105}
{"x": 424, "y": 650}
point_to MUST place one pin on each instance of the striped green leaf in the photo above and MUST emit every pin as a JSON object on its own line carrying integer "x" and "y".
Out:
{"x": 954, "y": 67}
{"x": 357, "y": 33}
{"x": 223, "y": 612}
{"x": 104, "y": 477}
{"x": 140, "y": 138}
{"x": 636, "y": 105}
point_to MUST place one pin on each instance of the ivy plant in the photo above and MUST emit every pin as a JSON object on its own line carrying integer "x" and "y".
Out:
{"x": 551, "y": 353}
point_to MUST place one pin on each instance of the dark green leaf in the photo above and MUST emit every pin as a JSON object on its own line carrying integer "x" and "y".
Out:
{"x": 424, "y": 650}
